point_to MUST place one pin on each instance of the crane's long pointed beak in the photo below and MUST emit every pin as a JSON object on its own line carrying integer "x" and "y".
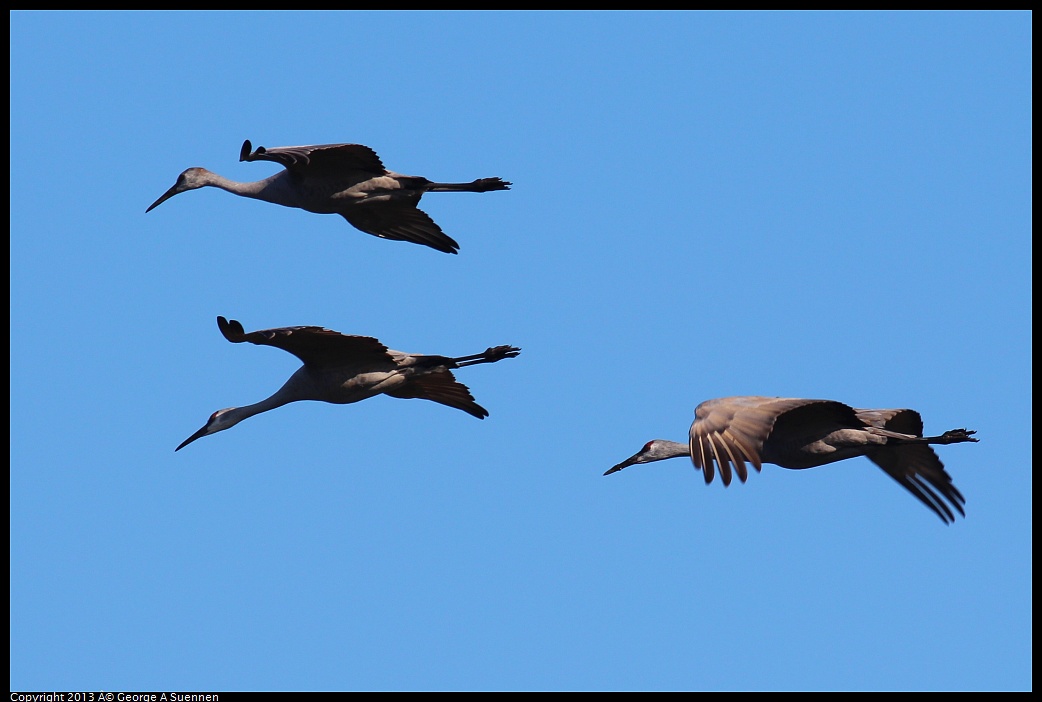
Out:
{"x": 619, "y": 466}
{"x": 163, "y": 198}
{"x": 197, "y": 435}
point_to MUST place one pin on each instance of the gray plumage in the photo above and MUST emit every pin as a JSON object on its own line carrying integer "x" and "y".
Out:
{"x": 345, "y": 179}
{"x": 342, "y": 369}
{"x": 795, "y": 433}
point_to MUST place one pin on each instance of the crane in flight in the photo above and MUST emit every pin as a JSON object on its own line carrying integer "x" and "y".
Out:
{"x": 796, "y": 433}
{"x": 342, "y": 369}
{"x": 345, "y": 179}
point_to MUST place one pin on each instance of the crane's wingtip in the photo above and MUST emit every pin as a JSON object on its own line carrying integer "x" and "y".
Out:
{"x": 244, "y": 152}
{"x": 231, "y": 329}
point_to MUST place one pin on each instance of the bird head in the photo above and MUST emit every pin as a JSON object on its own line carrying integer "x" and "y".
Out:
{"x": 654, "y": 450}
{"x": 218, "y": 421}
{"x": 189, "y": 180}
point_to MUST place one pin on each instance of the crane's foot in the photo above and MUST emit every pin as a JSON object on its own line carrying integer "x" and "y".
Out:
{"x": 498, "y": 353}
{"x": 484, "y": 185}
{"x": 956, "y": 436}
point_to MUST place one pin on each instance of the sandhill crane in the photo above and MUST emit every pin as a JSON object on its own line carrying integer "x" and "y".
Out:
{"x": 344, "y": 179}
{"x": 342, "y": 369}
{"x": 794, "y": 433}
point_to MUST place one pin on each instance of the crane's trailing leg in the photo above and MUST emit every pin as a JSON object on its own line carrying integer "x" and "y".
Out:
{"x": 481, "y": 185}
{"x": 490, "y": 355}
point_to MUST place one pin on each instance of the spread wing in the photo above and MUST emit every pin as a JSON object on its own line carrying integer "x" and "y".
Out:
{"x": 400, "y": 221}
{"x": 732, "y": 430}
{"x": 441, "y": 387}
{"x": 322, "y": 160}
{"x": 315, "y": 346}
{"x": 916, "y": 467}
{"x": 729, "y": 431}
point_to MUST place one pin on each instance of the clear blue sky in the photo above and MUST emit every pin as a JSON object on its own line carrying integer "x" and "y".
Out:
{"x": 803, "y": 205}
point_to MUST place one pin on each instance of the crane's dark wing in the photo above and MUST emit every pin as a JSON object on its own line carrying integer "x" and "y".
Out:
{"x": 320, "y": 160}
{"x": 916, "y": 467}
{"x": 400, "y": 221}
{"x": 315, "y": 346}
{"x": 726, "y": 431}
{"x": 731, "y": 430}
{"x": 441, "y": 387}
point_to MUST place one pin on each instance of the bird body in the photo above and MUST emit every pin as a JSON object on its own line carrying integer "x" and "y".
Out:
{"x": 799, "y": 433}
{"x": 342, "y": 369}
{"x": 345, "y": 179}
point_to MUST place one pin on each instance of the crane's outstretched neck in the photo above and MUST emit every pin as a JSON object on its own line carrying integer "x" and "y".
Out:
{"x": 237, "y": 414}
{"x": 273, "y": 189}
{"x": 227, "y": 418}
